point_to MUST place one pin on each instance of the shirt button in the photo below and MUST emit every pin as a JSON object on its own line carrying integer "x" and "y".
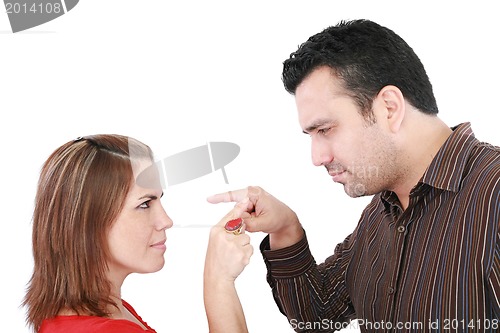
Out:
{"x": 401, "y": 229}
{"x": 391, "y": 291}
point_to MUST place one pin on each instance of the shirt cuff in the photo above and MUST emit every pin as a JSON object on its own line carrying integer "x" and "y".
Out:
{"x": 288, "y": 262}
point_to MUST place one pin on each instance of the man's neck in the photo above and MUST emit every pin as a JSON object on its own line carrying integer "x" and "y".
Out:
{"x": 426, "y": 137}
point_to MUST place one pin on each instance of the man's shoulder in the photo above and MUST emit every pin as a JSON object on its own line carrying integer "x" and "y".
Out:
{"x": 488, "y": 148}
{"x": 480, "y": 183}
{"x": 484, "y": 162}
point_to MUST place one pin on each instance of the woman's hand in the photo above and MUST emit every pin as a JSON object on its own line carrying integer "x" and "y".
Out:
{"x": 227, "y": 256}
{"x": 265, "y": 213}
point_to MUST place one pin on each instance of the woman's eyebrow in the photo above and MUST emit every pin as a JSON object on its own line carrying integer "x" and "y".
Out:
{"x": 150, "y": 196}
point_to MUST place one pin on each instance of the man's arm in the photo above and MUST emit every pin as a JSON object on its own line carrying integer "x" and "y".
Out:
{"x": 494, "y": 280}
{"x": 305, "y": 292}
{"x": 313, "y": 297}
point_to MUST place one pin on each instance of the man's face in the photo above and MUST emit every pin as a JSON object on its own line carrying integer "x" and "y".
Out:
{"x": 360, "y": 155}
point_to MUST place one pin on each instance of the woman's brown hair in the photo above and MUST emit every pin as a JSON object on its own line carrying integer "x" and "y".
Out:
{"x": 81, "y": 190}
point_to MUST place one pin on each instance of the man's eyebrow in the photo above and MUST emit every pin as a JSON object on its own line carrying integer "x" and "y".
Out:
{"x": 316, "y": 124}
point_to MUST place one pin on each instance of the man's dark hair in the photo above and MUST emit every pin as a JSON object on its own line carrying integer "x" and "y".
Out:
{"x": 365, "y": 57}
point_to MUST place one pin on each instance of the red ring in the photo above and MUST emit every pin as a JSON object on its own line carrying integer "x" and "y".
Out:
{"x": 233, "y": 225}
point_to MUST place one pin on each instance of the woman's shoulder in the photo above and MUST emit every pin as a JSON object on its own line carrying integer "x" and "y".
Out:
{"x": 136, "y": 315}
{"x": 89, "y": 324}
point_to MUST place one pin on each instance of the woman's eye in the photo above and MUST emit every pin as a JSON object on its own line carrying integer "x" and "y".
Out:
{"x": 145, "y": 204}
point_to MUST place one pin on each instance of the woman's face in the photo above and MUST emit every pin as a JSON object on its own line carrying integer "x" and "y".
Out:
{"x": 137, "y": 238}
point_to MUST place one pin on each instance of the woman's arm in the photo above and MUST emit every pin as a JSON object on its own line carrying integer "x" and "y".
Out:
{"x": 227, "y": 256}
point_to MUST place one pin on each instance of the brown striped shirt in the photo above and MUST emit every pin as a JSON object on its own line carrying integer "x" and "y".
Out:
{"x": 434, "y": 267}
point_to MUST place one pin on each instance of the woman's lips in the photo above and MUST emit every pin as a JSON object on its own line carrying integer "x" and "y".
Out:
{"x": 160, "y": 245}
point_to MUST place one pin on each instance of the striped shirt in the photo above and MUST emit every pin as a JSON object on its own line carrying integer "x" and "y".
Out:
{"x": 434, "y": 267}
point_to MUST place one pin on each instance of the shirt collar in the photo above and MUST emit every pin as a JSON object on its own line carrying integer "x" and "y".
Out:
{"x": 447, "y": 167}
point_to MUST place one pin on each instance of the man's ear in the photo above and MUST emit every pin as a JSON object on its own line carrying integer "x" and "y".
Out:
{"x": 394, "y": 107}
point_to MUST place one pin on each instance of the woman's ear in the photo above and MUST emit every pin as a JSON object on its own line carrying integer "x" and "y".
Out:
{"x": 394, "y": 107}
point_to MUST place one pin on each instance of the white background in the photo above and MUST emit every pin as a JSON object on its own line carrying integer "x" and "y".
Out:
{"x": 176, "y": 75}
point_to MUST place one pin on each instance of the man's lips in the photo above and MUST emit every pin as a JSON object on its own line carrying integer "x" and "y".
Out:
{"x": 336, "y": 175}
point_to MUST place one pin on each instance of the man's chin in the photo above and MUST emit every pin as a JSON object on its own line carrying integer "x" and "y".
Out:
{"x": 355, "y": 190}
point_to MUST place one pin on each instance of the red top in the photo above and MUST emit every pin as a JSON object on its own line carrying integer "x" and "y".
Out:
{"x": 94, "y": 324}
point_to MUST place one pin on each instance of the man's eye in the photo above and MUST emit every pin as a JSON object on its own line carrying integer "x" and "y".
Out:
{"x": 324, "y": 131}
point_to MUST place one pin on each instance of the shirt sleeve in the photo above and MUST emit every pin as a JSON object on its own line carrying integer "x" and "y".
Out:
{"x": 494, "y": 272}
{"x": 310, "y": 295}
{"x": 494, "y": 281}
{"x": 493, "y": 212}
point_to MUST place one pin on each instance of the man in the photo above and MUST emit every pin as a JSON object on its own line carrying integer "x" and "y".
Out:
{"x": 425, "y": 255}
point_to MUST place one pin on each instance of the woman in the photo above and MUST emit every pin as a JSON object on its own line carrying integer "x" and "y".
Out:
{"x": 98, "y": 218}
